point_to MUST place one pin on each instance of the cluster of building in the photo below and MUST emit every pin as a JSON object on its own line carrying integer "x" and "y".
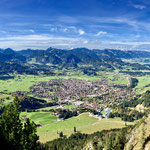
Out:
{"x": 85, "y": 95}
{"x": 73, "y": 90}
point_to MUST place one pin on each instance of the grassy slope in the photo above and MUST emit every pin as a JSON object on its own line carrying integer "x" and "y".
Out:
{"x": 144, "y": 80}
{"x": 84, "y": 123}
{"x": 139, "y": 138}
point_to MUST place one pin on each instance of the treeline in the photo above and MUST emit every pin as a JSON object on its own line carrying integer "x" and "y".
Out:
{"x": 6, "y": 77}
{"x": 31, "y": 103}
{"x": 74, "y": 142}
{"x": 65, "y": 114}
{"x": 127, "y": 115}
{"x": 146, "y": 99}
{"x": 143, "y": 99}
{"x": 1, "y": 109}
{"x": 135, "y": 73}
{"x": 132, "y": 103}
{"x": 133, "y": 82}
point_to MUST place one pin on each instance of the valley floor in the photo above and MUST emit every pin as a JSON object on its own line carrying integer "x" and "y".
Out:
{"x": 51, "y": 126}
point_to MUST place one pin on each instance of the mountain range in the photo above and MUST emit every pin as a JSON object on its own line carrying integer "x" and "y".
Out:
{"x": 77, "y": 55}
{"x": 108, "y": 58}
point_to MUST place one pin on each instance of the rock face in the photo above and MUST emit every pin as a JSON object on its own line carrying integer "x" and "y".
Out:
{"x": 139, "y": 139}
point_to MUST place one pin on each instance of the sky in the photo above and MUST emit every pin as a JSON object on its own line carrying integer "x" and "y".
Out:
{"x": 67, "y": 24}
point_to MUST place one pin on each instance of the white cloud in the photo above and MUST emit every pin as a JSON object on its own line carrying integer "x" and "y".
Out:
{"x": 43, "y": 41}
{"x": 81, "y": 32}
{"x": 101, "y": 33}
{"x": 139, "y": 6}
{"x": 138, "y": 36}
{"x": 131, "y": 42}
{"x": 85, "y": 42}
{"x": 53, "y": 29}
{"x": 32, "y": 31}
{"x": 65, "y": 30}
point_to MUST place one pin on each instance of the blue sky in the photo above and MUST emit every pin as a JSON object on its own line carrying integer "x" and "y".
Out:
{"x": 39, "y": 24}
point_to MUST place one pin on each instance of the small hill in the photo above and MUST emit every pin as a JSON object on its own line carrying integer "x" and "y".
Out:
{"x": 11, "y": 55}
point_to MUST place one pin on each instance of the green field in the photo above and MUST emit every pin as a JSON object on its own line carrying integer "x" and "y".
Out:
{"x": 24, "y": 82}
{"x": 70, "y": 106}
{"x": 120, "y": 81}
{"x": 143, "y": 81}
{"x": 84, "y": 123}
{"x": 46, "y": 108}
{"x": 21, "y": 83}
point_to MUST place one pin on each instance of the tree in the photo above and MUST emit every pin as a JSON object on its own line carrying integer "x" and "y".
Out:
{"x": 75, "y": 130}
{"x": 11, "y": 124}
{"x": 13, "y": 135}
{"x": 29, "y": 136}
{"x": 61, "y": 134}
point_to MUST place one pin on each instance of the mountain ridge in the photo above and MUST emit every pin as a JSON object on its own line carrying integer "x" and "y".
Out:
{"x": 85, "y": 59}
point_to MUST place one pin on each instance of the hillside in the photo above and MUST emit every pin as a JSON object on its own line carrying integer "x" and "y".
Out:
{"x": 139, "y": 138}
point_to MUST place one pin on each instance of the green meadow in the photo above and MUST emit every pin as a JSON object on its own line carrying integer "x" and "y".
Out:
{"x": 24, "y": 82}
{"x": 143, "y": 84}
{"x": 20, "y": 83}
{"x": 51, "y": 126}
{"x": 123, "y": 80}
{"x": 70, "y": 106}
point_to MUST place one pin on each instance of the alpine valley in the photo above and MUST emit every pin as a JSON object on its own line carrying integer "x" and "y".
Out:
{"x": 78, "y": 98}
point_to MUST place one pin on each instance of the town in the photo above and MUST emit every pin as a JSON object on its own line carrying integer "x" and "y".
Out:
{"x": 92, "y": 96}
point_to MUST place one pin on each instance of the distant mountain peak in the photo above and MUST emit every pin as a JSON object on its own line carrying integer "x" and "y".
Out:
{"x": 51, "y": 49}
{"x": 9, "y": 51}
